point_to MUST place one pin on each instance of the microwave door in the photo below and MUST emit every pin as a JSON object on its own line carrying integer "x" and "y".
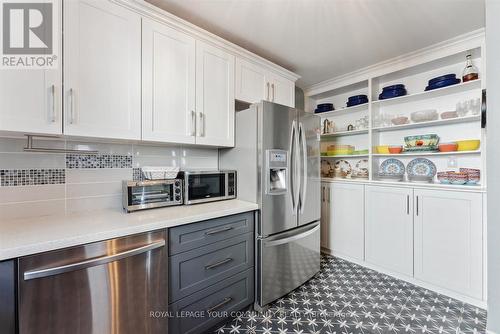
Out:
{"x": 204, "y": 187}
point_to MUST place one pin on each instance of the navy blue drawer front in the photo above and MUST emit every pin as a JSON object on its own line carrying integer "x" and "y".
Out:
{"x": 212, "y": 303}
{"x": 201, "y": 267}
{"x": 187, "y": 237}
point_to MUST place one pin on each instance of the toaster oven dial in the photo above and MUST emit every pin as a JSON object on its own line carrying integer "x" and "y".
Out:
{"x": 177, "y": 190}
{"x": 178, "y": 198}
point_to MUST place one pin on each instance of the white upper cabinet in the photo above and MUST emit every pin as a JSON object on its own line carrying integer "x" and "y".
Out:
{"x": 30, "y": 100}
{"x": 102, "y": 70}
{"x": 282, "y": 90}
{"x": 215, "y": 105}
{"x": 168, "y": 84}
{"x": 448, "y": 240}
{"x": 389, "y": 228}
{"x": 255, "y": 83}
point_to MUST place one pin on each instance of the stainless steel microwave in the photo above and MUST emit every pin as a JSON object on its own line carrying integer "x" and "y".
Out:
{"x": 208, "y": 186}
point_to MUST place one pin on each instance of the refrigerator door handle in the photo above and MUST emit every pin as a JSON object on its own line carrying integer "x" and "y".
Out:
{"x": 292, "y": 169}
{"x": 312, "y": 229}
{"x": 303, "y": 183}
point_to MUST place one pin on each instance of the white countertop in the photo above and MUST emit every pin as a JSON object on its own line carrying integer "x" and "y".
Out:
{"x": 20, "y": 237}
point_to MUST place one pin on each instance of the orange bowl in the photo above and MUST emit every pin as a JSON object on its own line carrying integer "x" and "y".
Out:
{"x": 447, "y": 147}
{"x": 395, "y": 149}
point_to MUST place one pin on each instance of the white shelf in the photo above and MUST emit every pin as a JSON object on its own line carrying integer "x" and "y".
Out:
{"x": 345, "y": 133}
{"x": 462, "y": 87}
{"x": 344, "y": 110}
{"x": 345, "y": 156}
{"x": 439, "y": 122}
{"x": 413, "y": 154}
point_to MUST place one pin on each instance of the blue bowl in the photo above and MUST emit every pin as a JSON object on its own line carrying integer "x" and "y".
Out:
{"x": 325, "y": 105}
{"x": 355, "y": 103}
{"x": 393, "y": 87}
{"x": 442, "y": 84}
{"x": 318, "y": 111}
{"x": 391, "y": 94}
{"x": 358, "y": 97}
{"x": 450, "y": 76}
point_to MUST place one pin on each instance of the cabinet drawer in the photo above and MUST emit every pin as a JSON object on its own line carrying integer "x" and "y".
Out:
{"x": 188, "y": 237}
{"x": 214, "y": 304}
{"x": 197, "y": 269}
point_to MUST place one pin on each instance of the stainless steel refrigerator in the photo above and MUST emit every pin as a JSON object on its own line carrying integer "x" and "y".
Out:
{"x": 277, "y": 159}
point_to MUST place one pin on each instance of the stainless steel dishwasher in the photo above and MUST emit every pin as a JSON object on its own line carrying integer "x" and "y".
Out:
{"x": 108, "y": 287}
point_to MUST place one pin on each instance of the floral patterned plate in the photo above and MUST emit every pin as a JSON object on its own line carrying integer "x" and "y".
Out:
{"x": 421, "y": 168}
{"x": 392, "y": 167}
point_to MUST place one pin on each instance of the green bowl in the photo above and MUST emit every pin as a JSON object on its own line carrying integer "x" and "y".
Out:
{"x": 430, "y": 141}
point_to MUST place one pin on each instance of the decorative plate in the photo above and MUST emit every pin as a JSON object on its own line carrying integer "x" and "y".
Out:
{"x": 361, "y": 169}
{"x": 342, "y": 168}
{"x": 326, "y": 168}
{"x": 392, "y": 167}
{"x": 421, "y": 167}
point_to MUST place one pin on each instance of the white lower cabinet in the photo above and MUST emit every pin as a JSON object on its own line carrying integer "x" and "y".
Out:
{"x": 343, "y": 232}
{"x": 389, "y": 228}
{"x": 449, "y": 240}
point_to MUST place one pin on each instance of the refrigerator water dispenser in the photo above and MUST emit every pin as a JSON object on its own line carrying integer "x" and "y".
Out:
{"x": 277, "y": 167}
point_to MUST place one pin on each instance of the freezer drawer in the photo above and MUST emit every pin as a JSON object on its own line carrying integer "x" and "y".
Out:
{"x": 288, "y": 260}
{"x": 201, "y": 267}
{"x": 104, "y": 287}
{"x": 204, "y": 309}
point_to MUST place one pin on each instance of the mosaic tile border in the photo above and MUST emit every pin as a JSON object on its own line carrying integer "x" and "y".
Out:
{"x": 74, "y": 161}
{"x": 137, "y": 174}
{"x": 31, "y": 177}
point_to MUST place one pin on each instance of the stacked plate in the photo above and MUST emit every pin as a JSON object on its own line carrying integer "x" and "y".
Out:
{"x": 442, "y": 81}
{"x": 324, "y": 107}
{"x": 421, "y": 170}
{"x": 391, "y": 170}
{"x": 357, "y": 99}
{"x": 390, "y": 92}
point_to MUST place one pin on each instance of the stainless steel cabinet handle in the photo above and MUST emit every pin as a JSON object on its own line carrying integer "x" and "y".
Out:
{"x": 220, "y": 230}
{"x": 71, "y": 107}
{"x": 292, "y": 169}
{"x": 193, "y": 123}
{"x": 40, "y": 273}
{"x": 217, "y": 264}
{"x": 407, "y": 204}
{"x": 267, "y": 96}
{"x": 53, "y": 103}
{"x": 219, "y": 305}
{"x": 417, "y": 205}
{"x": 202, "y": 124}
{"x": 272, "y": 87}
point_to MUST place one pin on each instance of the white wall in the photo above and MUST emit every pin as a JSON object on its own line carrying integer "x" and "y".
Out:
{"x": 493, "y": 163}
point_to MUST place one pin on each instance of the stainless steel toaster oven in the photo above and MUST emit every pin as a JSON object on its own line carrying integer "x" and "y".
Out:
{"x": 139, "y": 195}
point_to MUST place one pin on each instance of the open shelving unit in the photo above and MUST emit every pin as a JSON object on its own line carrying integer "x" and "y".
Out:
{"x": 415, "y": 79}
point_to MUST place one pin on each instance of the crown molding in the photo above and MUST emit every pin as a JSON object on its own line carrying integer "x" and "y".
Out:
{"x": 150, "y": 11}
{"x": 451, "y": 46}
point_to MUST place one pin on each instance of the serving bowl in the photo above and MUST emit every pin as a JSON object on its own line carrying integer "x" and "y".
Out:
{"x": 382, "y": 149}
{"x": 473, "y": 175}
{"x": 400, "y": 120}
{"x": 424, "y": 115}
{"x": 443, "y": 177}
{"x": 457, "y": 178}
{"x": 427, "y": 142}
{"x": 447, "y": 147}
{"x": 468, "y": 145}
{"x": 395, "y": 149}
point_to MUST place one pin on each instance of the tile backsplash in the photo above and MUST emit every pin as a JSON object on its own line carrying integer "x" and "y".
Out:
{"x": 35, "y": 184}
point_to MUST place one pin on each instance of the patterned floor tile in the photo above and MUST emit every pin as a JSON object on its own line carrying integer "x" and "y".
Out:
{"x": 344, "y": 298}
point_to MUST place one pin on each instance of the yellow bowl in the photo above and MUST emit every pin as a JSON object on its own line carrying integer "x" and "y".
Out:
{"x": 382, "y": 149}
{"x": 468, "y": 145}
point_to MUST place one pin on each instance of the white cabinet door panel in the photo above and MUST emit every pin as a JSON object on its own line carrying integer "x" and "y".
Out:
{"x": 102, "y": 70}
{"x": 214, "y": 96}
{"x": 389, "y": 228}
{"x": 30, "y": 100}
{"x": 325, "y": 218}
{"x": 282, "y": 91}
{"x": 448, "y": 240}
{"x": 168, "y": 84}
{"x": 346, "y": 220}
{"x": 250, "y": 82}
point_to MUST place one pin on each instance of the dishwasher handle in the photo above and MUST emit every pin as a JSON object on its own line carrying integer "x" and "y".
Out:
{"x": 45, "y": 272}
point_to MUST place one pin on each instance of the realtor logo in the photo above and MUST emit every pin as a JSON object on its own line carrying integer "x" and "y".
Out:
{"x": 28, "y": 34}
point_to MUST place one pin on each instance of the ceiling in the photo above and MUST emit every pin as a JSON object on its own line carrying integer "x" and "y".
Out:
{"x": 321, "y": 39}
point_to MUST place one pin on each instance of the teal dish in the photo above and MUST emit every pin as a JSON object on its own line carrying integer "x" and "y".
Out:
{"x": 421, "y": 143}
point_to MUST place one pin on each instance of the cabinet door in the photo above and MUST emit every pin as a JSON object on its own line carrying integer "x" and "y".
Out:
{"x": 346, "y": 220}
{"x": 30, "y": 100}
{"x": 214, "y": 96}
{"x": 389, "y": 228}
{"x": 282, "y": 90}
{"x": 168, "y": 84}
{"x": 448, "y": 240}
{"x": 325, "y": 197}
{"x": 251, "y": 82}
{"x": 102, "y": 70}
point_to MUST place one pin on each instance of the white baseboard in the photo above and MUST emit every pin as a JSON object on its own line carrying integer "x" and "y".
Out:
{"x": 479, "y": 303}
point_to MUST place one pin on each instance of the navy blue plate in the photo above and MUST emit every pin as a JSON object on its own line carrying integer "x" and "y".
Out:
{"x": 442, "y": 84}
{"x": 358, "y": 97}
{"x": 393, "y": 87}
{"x": 442, "y": 78}
{"x": 355, "y": 103}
